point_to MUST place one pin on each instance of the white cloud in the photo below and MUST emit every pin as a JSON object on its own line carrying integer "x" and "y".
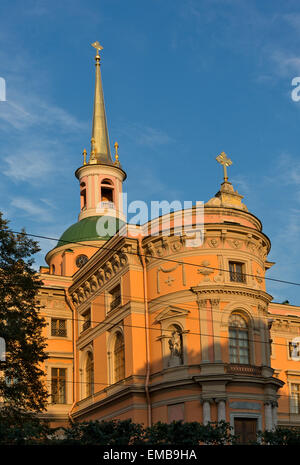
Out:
{"x": 28, "y": 208}
{"x": 145, "y": 135}
{"x": 242, "y": 183}
{"x": 293, "y": 19}
{"x": 288, "y": 169}
{"x": 287, "y": 63}
{"x": 29, "y": 166}
{"x": 22, "y": 112}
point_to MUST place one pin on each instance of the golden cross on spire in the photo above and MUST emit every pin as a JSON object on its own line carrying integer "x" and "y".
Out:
{"x": 98, "y": 47}
{"x": 225, "y": 161}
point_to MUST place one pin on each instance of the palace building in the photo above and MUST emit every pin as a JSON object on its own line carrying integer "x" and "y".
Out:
{"x": 150, "y": 328}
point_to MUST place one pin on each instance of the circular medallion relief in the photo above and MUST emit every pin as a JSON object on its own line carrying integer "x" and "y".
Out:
{"x": 81, "y": 260}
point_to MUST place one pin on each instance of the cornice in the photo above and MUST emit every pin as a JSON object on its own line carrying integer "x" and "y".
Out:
{"x": 124, "y": 392}
{"x": 226, "y": 290}
{"x": 218, "y": 239}
{"x": 100, "y": 168}
{"x": 103, "y": 267}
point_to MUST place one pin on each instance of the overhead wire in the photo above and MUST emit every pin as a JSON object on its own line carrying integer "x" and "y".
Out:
{"x": 180, "y": 262}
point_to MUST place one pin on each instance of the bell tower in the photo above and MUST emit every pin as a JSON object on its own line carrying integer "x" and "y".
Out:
{"x": 100, "y": 182}
{"x": 100, "y": 178}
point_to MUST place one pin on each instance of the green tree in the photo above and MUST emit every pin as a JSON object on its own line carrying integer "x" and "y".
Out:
{"x": 125, "y": 432}
{"x": 95, "y": 432}
{"x": 281, "y": 436}
{"x": 22, "y": 387}
{"x": 190, "y": 433}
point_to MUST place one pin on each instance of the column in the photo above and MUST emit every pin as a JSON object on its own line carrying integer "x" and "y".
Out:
{"x": 274, "y": 414}
{"x": 206, "y": 412}
{"x": 221, "y": 409}
{"x": 216, "y": 316}
{"x": 204, "y": 344}
{"x": 268, "y": 416}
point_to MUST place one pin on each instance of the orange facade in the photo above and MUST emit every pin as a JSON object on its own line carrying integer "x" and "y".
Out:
{"x": 154, "y": 328}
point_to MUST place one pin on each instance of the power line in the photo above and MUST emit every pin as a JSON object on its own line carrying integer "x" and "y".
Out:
{"x": 108, "y": 384}
{"x": 151, "y": 256}
{"x": 141, "y": 300}
{"x": 100, "y": 323}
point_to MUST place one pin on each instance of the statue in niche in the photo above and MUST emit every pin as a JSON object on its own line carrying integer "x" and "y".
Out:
{"x": 175, "y": 347}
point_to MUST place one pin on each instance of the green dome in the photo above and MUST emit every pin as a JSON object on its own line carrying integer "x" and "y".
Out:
{"x": 86, "y": 230}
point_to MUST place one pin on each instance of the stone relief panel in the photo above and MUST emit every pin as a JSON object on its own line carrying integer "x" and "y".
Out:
{"x": 100, "y": 277}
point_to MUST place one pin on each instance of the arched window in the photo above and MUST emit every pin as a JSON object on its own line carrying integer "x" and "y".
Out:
{"x": 107, "y": 191}
{"x": 107, "y": 181}
{"x": 119, "y": 357}
{"x": 238, "y": 339}
{"x": 175, "y": 345}
{"x": 82, "y": 196}
{"x": 89, "y": 374}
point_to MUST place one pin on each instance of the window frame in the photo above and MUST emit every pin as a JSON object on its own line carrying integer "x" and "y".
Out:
{"x": 108, "y": 185}
{"x": 58, "y": 378}
{"x": 121, "y": 351}
{"x": 86, "y": 315}
{"x": 89, "y": 374}
{"x": 236, "y": 273}
{"x": 83, "y": 196}
{"x": 115, "y": 297}
{"x": 237, "y": 340}
{"x": 292, "y": 399}
{"x": 57, "y": 329}
{"x": 289, "y": 349}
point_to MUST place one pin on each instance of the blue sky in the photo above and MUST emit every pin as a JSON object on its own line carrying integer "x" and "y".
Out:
{"x": 183, "y": 81}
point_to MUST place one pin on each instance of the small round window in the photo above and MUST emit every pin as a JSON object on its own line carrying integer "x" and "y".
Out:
{"x": 81, "y": 260}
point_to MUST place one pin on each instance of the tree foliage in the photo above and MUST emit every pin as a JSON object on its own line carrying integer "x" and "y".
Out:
{"x": 280, "y": 436}
{"x": 112, "y": 432}
{"x": 22, "y": 387}
{"x": 126, "y": 432}
{"x": 191, "y": 433}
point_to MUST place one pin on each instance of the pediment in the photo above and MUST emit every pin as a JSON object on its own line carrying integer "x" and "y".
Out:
{"x": 171, "y": 312}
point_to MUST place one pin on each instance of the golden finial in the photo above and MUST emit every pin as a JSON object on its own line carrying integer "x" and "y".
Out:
{"x": 116, "y": 145}
{"x": 98, "y": 47}
{"x": 225, "y": 161}
{"x": 99, "y": 130}
{"x": 84, "y": 153}
{"x": 93, "y": 159}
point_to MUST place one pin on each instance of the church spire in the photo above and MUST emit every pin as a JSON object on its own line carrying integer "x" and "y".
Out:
{"x": 100, "y": 150}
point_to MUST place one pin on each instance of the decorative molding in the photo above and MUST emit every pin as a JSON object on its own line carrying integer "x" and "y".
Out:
{"x": 214, "y": 304}
{"x": 170, "y": 279}
{"x": 100, "y": 277}
{"x": 254, "y": 294}
{"x": 205, "y": 271}
{"x": 213, "y": 242}
{"x": 171, "y": 312}
{"x": 237, "y": 238}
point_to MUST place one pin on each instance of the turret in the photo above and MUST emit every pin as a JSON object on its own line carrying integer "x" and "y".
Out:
{"x": 100, "y": 182}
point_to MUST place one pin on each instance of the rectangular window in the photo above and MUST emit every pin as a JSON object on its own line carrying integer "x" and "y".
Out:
{"x": 295, "y": 398}
{"x": 238, "y": 346}
{"x": 58, "y": 385}
{"x": 86, "y": 320}
{"x": 237, "y": 272}
{"x": 58, "y": 327}
{"x": 294, "y": 349}
{"x": 115, "y": 297}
